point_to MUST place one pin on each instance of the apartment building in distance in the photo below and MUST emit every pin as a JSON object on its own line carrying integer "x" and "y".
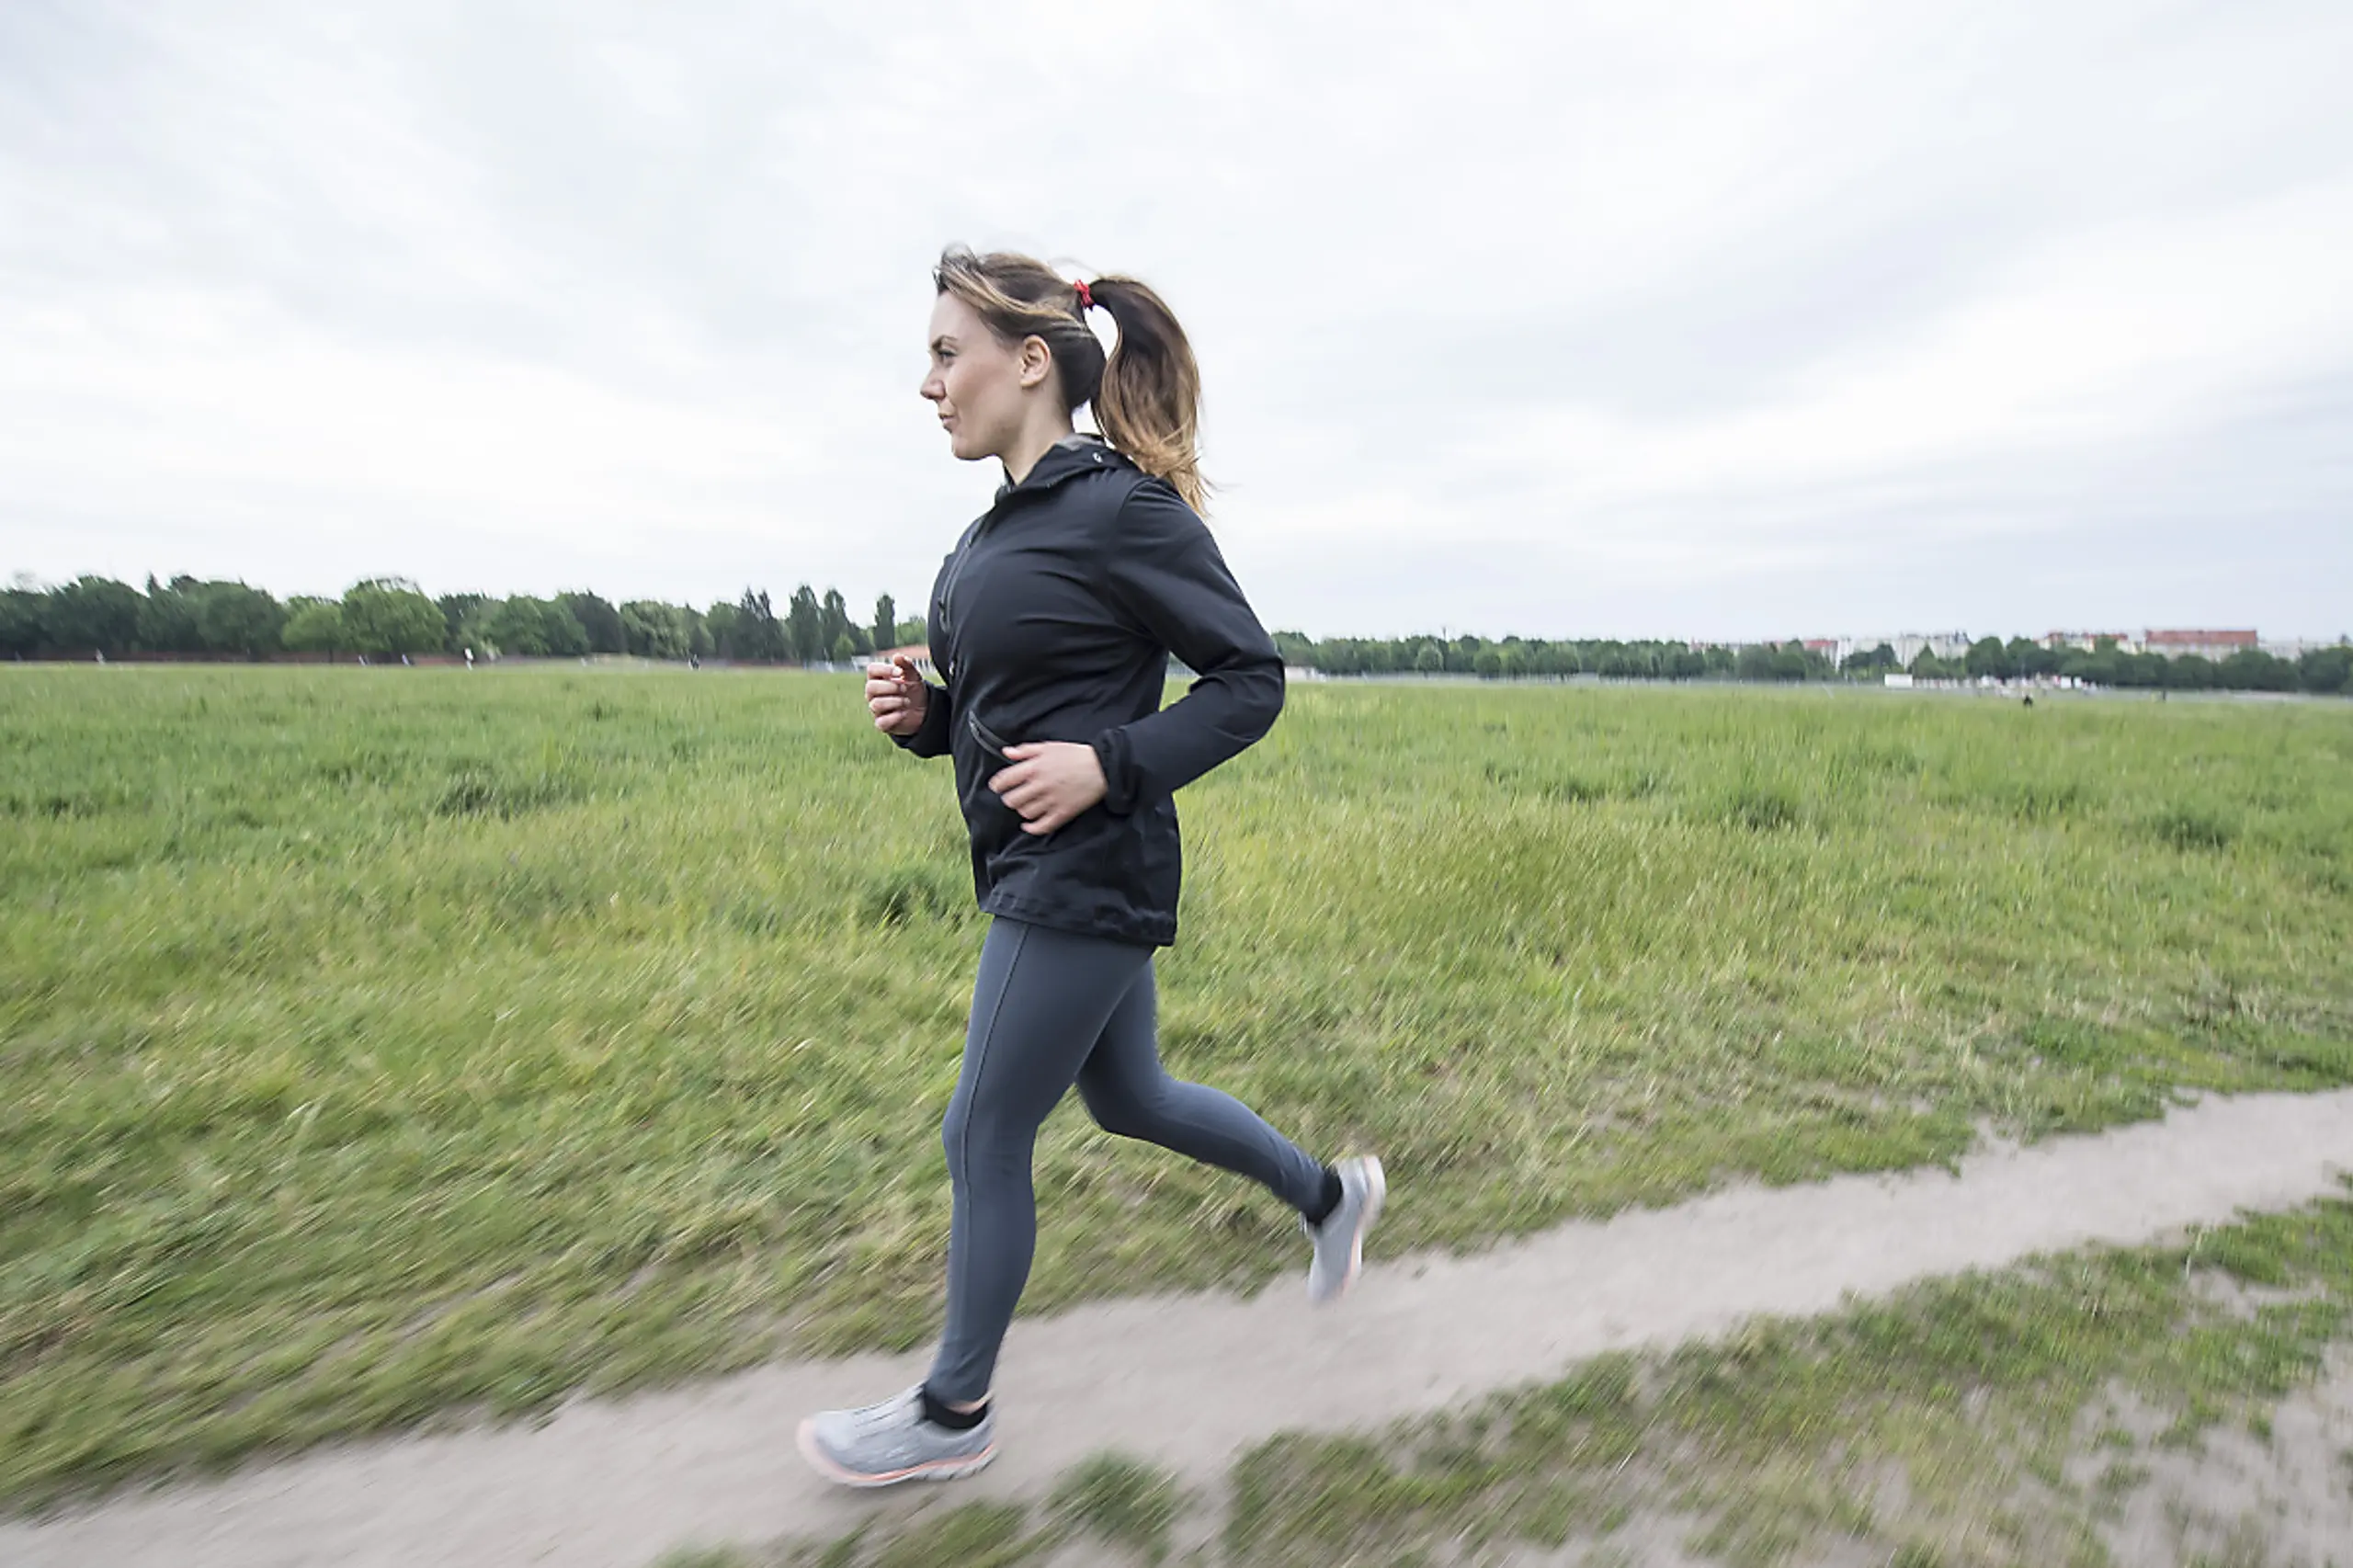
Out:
{"x": 2206, "y": 644}
{"x": 2089, "y": 641}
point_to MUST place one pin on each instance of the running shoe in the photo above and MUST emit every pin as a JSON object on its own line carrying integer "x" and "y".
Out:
{"x": 1339, "y": 1240}
{"x": 884, "y": 1444}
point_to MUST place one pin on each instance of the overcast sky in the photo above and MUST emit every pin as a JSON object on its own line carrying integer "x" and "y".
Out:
{"x": 1726, "y": 320}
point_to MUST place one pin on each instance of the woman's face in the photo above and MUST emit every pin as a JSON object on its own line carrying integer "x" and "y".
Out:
{"x": 980, "y": 386}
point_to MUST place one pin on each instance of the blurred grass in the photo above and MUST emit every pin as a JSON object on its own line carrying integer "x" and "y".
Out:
{"x": 382, "y": 1046}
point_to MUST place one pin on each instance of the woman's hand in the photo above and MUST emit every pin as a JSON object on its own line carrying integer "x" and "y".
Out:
{"x": 897, "y": 697}
{"x": 1048, "y": 783}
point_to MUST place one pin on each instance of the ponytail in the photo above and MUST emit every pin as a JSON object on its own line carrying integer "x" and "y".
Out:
{"x": 1146, "y": 395}
{"x": 1149, "y": 403}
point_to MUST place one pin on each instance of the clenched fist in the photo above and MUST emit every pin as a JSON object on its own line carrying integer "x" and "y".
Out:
{"x": 896, "y": 696}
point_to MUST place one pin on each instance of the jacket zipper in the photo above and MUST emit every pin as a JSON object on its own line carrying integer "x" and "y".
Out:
{"x": 948, "y": 589}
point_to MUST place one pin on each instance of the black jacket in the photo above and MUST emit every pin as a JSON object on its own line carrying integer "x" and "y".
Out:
{"x": 1053, "y": 619}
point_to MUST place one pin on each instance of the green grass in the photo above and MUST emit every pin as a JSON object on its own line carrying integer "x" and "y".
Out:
{"x": 1947, "y": 1428}
{"x": 391, "y": 1046}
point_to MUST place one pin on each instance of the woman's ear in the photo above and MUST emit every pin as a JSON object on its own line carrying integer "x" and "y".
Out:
{"x": 1036, "y": 362}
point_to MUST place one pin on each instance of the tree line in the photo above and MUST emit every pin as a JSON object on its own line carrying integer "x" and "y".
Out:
{"x": 2107, "y": 662}
{"x": 389, "y": 617}
{"x": 392, "y": 617}
{"x": 2318, "y": 670}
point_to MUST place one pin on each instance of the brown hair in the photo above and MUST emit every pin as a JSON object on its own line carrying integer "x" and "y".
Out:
{"x": 1147, "y": 394}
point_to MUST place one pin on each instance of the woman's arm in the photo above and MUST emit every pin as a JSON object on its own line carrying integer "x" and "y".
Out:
{"x": 1164, "y": 569}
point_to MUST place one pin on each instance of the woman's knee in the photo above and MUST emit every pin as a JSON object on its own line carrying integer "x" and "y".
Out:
{"x": 979, "y": 1139}
{"x": 1121, "y": 1112}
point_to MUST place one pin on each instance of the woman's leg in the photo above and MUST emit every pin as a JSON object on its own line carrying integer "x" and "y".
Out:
{"x": 1039, "y": 1007}
{"x": 1129, "y": 1093}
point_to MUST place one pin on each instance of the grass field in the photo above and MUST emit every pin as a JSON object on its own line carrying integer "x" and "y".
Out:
{"x": 385, "y": 1045}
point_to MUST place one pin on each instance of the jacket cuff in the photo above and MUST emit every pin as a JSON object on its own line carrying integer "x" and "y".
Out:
{"x": 931, "y": 738}
{"x": 1120, "y": 784}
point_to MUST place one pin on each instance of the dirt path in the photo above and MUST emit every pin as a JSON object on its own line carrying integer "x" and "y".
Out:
{"x": 1186, "y": 1381}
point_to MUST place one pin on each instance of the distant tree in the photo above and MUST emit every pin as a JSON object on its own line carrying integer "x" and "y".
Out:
{"x": 886, "y": 623}
{"x": 911, "y": 633}
{"x": 1986, "y": 657}
{"x": 1868, "y": 662}
{"x": 389, "y": 615}
{"x": 474, "y": 631}
{"x": 459, "y": 613}
{"x": 2029, "y": 658}
{"x": 93, "y": 614}
{"x": 804, "y": 626}
{"x": 2252, "y": 669}
{"x": 652, "y": 630}
{"x": 2191, "y": 672}
{"x": 697, "y": 634}
{"x": 167, "y": 618}
{"x": 845, "y": 649}
{"x": 1754, "y": 662}
{"x": 24, "y": 621}
{"x": 758, "y": 634}
{"x": 2327, "y": 669}
{"x": 312, "y": 626}
{"x": 533, "y": 628}
{"x": 598, "y": 620}
{"x": 233, "y": 618}
{"x": 719, "y": 628}
{"x": 833, "y": 619}
{"x": 2098, "y": 667}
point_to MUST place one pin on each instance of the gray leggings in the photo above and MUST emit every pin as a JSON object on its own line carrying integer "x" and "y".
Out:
{"x": 1050, "y": 1009}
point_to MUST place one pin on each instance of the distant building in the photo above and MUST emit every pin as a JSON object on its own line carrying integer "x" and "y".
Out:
{"x": 2206, "y": 644}
{"x": 2089, "y": 641}
{"x": 1909, "y": 645}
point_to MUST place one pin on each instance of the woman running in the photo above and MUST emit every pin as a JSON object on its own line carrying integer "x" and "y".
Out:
{"x": 1052, "y": 623}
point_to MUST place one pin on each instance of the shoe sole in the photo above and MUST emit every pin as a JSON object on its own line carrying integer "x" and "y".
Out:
{"x": 1376, "y": 1194}
{"x": 839, "y": 1474}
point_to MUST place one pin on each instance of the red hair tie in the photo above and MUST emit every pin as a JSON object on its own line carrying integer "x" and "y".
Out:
{"x": 1086, "y": 295}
